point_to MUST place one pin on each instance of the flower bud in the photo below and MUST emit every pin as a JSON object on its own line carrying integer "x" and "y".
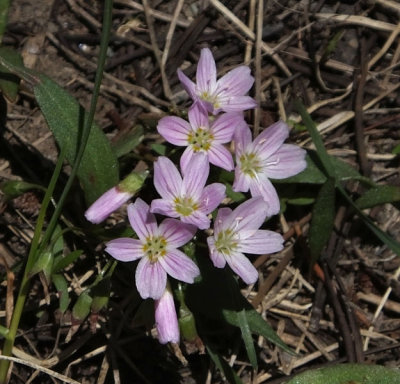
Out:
{"x": 111, "y": 200}
{"x": 166, "y": 318}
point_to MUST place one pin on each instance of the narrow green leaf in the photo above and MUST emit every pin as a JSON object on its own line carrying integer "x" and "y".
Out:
{"x": 224, "y": 367}
{"x": 323, "y": 215}
{"x": 247, "y": 338}
{"x": 258, "y": 326}
{"x": 62, "y": 288}
{"x": 98, "y": 170}
{"x": 384, "y": 237}
{"x": 349, "y": 374}
{"x": 9, "y": 82}
{"x": 301, "y": 201}
{"x": 61, "y": 262}
{"x": 379, "y": 195}
{"x": 317, "y": 140}
{"x": 3, "y": 331}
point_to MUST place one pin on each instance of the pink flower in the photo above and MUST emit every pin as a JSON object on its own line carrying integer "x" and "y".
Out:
{"x": 166, "y": 318}
{"x": 264, "y": 158}
{"x": 157, "y": 250}
{"x": 201, "y": 136}
{"x": 226, "y": 94}
{"x": 236, "y": 232}
{"x": 115, "y": 197}
{"x": 187, "y": 197}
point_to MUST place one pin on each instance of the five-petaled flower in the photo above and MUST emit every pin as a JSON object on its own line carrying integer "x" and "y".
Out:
{"x": 200, "y": 135}
{"x": 157, "y": 247}
{"x": 187, "y": 197}
{"x": 237, "y": 232}
{"x": 264, "y": 158}
{"x": 226, "y": 94}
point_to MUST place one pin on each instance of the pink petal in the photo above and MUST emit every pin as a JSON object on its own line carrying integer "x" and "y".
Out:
{"x": 211, "y": 197}
{"x": 242, "y": 266}
{"x": 164, "y": 207}
{"x": 174, "y": 129}
{"x": 217, "y": 258}
{"x": 237, "y": 103}
{"x": 289, "y": 160}
{"x": 189, "y": 85}
{"x": 242, "y": 181}
{"x": 220, "y": 157}
{"x": 125, "y": 249}
{"x": 264, "y": 188}
{"x": 206, "y": 74}
{"x": 249, "y": 215}
{"x": 224, "y": 126}
{"x": 166, "y": 319}
{"x": 261, "y": 242}
{"x": 195, "y": 176}
{"x": 221, "y": 221}
{"x": 198, "y": 116}
{"x": 151, "y": 279}
{"x": 142, "y": 221}
{"x": 179, "y": 266}
{"x": 236, "y": 82}
{"x": 198, "y": 219}
{"x": 167, "y": 180}
{"x": 176, "y": 233}
{"x": 271, "y": 139}
{"x": 242, "y": 138}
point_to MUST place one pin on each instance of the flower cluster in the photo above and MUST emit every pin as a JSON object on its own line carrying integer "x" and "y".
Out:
{"x": 186, "y": 200}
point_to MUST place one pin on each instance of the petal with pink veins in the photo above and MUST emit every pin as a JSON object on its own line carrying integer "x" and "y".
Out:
{"x": 179, "y": 266}
{"x": 151, "y": 279}
{"x": 125, "y": 249}
{"x": 174, "y": 129}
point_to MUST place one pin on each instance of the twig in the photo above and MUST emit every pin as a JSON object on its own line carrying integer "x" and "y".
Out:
{"x": 54, "y": 374}
{"x": 250, "y": 34}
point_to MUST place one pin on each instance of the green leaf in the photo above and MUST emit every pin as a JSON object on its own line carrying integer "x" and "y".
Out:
{"x": 224, "y": 367}
{"x": 323, "y": 215}
{"x": 301, "y": 201}
{"x": 348, "y": 374}
{"x": 247, "y": 338}
{"x": 61, "y": 262}
{"x": 3, "y": 331}
{"x": 379, "y": 195}
{"x": 81, "y": 308}
{"x": 396, "y": 149}
{"x": 257, "y": 325}
{"x": 128, "y": 141}
{"x": 9, "y": 82}
{"x": 62, "y": 288}
{"x": 160, "y": 149}
{"x": 98, "y": 170}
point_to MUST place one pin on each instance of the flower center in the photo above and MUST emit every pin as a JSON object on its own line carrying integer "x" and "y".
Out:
{"x": 185, "y": 206}
{"x": 154, "y": 248}
{"x": 200, "y": 139}
{"x": 250, "y": 164}
{"x": 211, "y": 98}
{"x": 226, "y": 242}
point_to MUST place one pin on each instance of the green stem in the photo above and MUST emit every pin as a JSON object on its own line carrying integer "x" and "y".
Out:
{"x": 25, "y": 284}
{"x": 4, "y": 6}
{"x": 36, "y": 248}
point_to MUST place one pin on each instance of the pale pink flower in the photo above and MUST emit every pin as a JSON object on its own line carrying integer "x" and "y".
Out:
{"x": 199, "y": 135}
{"x": 186, "y": 197}
{"x": 226, "y": 94}
{"x": 237, "y": 232}
{"x": 157, "y": 249}
{"x": 265, "y": 158}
